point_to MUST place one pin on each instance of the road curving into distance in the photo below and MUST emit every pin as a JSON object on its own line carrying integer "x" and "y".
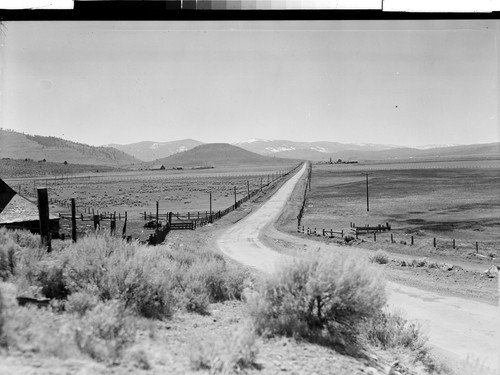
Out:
{"x": 458, "y": 328}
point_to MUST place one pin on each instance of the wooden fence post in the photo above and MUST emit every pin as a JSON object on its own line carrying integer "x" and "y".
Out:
{"x": 412, "y": 240}
{"x": 73, "y": 220}
{"x": 43, "y": 214}
{"x": 434, "y": 241}
{"x": 124, "y": 230}
{"x": 453, "y": 243}
{"x": 157, "y": 208}
{"x": 477, "y": 248}
{"x": 96, "y": 222}
{"x": 235, "y": 203}
{"x": 261, "y": 184}
{"x": 248, "y": 189}
{"x": 112, "y": 226}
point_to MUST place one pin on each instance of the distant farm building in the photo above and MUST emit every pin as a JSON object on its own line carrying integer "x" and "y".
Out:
{"x": 17, "y": 212}
{"x": 158, "y": 167}
{"x": 179, "y": 168}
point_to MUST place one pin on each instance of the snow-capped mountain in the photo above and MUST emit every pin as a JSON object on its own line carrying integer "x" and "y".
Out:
{"x": 427, "y": 147}
{"x": 270, "y": 147}
{"x": 323, "y": 151}
{"x": 148, "y": 150}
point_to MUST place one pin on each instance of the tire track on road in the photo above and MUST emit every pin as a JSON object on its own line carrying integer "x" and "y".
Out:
{"x": 458, "y": 328}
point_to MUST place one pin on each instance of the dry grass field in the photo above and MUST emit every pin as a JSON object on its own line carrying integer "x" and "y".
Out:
{"x": 447, "y": 200}
{"x": 136, "y": 192}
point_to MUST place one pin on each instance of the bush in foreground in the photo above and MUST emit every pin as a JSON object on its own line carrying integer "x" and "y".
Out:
{"x": 230, "y": 355}
{"x": 319, "y": 298}
{"x": 389, "y": 330}
{"x": 106, "y": 331}
{"x": 152, "y": 281}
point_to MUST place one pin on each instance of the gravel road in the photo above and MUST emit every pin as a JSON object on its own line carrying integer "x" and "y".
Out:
{"x": 458, "y": 328}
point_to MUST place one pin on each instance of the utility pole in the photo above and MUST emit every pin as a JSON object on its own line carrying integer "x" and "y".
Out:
{"x": 367, "y": 197}
{"x": 210, "y": 205}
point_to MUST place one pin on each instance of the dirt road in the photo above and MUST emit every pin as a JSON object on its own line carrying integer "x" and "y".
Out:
{"x": 459, "y": 329}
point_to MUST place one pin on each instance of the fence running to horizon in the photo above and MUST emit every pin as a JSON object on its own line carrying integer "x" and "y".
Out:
{"x": 172, "y": 221}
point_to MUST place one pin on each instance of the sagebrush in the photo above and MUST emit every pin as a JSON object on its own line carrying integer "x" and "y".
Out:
{"x": 325, "y": 297}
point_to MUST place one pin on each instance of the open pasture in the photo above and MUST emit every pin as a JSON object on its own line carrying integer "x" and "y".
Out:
{"x": 459, "y": 200}
{"x": 137, "y": 192}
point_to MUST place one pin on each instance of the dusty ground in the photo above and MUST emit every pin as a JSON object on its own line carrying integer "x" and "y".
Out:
{"x": 452, "y": 201}
{"x": 450, "y": 320}
{"x": 167, "y": 346}
{"x": 137, "y": 192}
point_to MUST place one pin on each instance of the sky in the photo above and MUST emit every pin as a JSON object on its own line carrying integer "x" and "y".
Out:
{"x": 407, "y": 83}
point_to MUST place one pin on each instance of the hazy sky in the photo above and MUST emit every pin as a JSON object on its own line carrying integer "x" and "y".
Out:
{"x": 392, "y": 82}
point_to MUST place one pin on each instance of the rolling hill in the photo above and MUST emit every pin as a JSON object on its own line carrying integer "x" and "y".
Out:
{"x": 149, "y": 151}
{"x": 16, "y": 145}
{"x": 218, "y": 155}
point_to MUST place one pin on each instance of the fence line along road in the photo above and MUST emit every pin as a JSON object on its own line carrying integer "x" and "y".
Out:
{"x": 174, "y": 221}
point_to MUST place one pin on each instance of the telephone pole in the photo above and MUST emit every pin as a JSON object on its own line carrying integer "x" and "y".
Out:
{"x": 367, "y": 196}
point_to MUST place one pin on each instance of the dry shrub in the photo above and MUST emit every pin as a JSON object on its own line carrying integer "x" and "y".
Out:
{"x": 318, "y": 298}
{"x": 2, "y": 318}
{"x": 80, "y": 303}
{"x": 15, "y": 245}
{"x": 151, "y": 281}
{"x": 226, "y": 356}
{"x": 49, "y": 276}
{"x": 39, "y": 330}
{"x": 114, "y": 269}
{"x": 139, "y": 359}
{"x": 203, "y": 276}
{"x": 389, "y": 330}
{"x": 106, "y": 331}
{"x": 9, "y": 251}
{"x": 418, "y": 262}
{"x": 380, "y": 257}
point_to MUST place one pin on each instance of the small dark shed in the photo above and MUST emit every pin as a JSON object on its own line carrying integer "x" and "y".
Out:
{"x": 17, "y": 212}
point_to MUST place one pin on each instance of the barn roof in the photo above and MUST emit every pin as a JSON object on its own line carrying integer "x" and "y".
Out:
{"x": 158, "y": 166}
{"x": 16, "y": 209}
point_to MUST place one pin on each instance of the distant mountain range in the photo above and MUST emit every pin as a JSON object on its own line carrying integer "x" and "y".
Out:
{"x": 149, "y": 151}
{"x": 193, "y": 153}
{"x": 316, "y": 151}
{"x": 323, "y": 151}
{"x": 217, "y": 155}
{"x": 16, "y": 145}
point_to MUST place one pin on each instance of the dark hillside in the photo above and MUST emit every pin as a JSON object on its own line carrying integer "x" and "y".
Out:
{"x": 16, "y": 145}
{"x": 218, "y": 155}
